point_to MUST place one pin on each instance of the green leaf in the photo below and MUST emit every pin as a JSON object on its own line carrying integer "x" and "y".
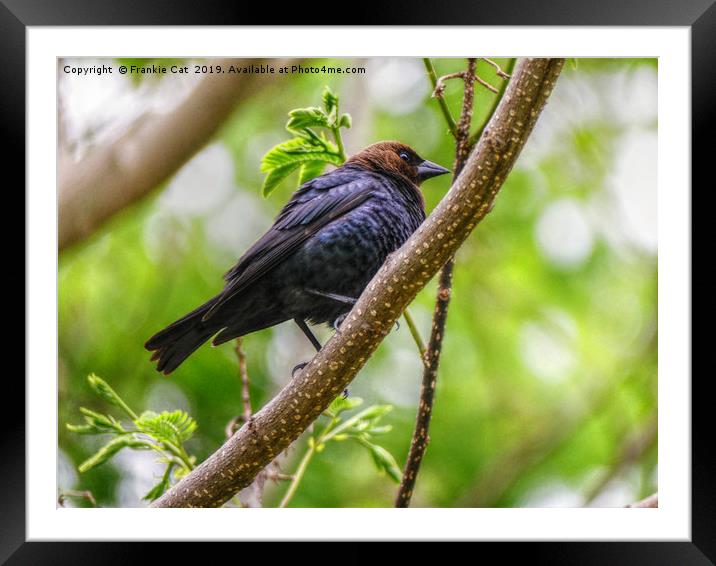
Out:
{"x": 276, "y": 177}
{"x": 281, "y": 160}
{"x": 374, "y": 412}
{"x": 299, "y": 150}
{"x": 96, "y": 423}
{"x": 103, "y": 390}
{"x": 384, "y": 461}
{"x": 346, "y": 121}
{"x": 82, "y": 429}
{"x": 380, "y": 429}
{"x": 330, "y": 99}
{"x": 302, "y": 118}
{"x": 164, "y": 484}
{"x": 310, "y": 170}
{"x": 173, "y": 427}
{"x": 110, "y": 449}
{"x": 283, "y": 154}
{"x": 333, "y": 117}
{"x": 341, "y": 404}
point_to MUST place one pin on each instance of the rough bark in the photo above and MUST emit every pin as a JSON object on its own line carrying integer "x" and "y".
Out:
{"x": 118, "y": 174}
{"x": 405, "y": 272}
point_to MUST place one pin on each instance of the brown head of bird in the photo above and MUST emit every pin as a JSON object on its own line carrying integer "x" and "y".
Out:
{"x": 398, "y": 159}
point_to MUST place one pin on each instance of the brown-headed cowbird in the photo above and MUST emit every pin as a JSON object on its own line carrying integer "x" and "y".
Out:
{"x": 317, "y": 258}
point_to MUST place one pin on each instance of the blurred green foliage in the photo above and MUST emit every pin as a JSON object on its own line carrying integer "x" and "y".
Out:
{"x": 547, "y": 392}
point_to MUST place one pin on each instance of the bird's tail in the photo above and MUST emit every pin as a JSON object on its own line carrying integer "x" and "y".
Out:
{"x": 180, "y": 339}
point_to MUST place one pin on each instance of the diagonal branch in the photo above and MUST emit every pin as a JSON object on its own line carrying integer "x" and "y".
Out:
{"x": 118, "y": 174}
{"x": 403, "y": 275}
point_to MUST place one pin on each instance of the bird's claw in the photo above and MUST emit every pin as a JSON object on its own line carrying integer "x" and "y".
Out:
{"x": 346, "y": 393}
{"x": 298, "y": 368}
{"x": 337, "y": 323}
{"x": 397, "y": 325}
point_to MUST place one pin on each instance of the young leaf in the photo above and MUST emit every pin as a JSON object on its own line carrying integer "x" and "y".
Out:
{"x": 384, "y": 461}
{"x": 311, "y": 117}
{"x": 299, "y": 150}
{"x": 96, "y": 424}
{"x": 333, "y": 117}
{"x": 104, "y": 391}
{"x": 380, "y": 429}
{"x": 158, "y": 490}
{"x": 330, "y": 99}
{"x": 346, "y": 121}
{"x": 283, "y": 159}
{"x": 175, "y": 427}
{"x": 82, "y": 429}
{"x": 341, "y": 404}
{"x": 110, "y": 449}
{"x": 276, "y": 177}
{"x": 375, "y": 412}
{"x": 310, "y": 170}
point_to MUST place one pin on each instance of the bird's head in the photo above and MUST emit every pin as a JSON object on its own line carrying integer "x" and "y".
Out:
{"x": 397, "y": 158}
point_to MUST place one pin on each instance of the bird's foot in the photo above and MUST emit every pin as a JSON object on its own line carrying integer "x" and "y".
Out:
{"x": 346, "y": 393}
{"x": 298, "y": 368}
{"x": 397, "y": 325}
{"x": 337, "y": 323}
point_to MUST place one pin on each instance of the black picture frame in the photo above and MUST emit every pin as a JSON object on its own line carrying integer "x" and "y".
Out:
{"x": 698, "y": 15}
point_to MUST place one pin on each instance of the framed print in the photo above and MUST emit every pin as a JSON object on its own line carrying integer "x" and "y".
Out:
{"x": 449, "y": 295}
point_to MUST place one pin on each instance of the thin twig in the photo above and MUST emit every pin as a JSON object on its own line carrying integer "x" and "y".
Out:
{"x": 431, "y": 358}
{"x": 244, "y": 373}
{"x": 278, "y": 476}
{"x": 415, "y": 332}
{"x": 87, "y": 494}
{"x": 495, "y": 102}
{"x": 464, "y": 76}
{"x": 256, "y": 489}
{"x": 298, "y": 476}
{"x": 498, "y": 69}
{"x": 452, "y": 126}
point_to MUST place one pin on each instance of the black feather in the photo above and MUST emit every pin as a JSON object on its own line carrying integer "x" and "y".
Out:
{"x": 328, "y": 241}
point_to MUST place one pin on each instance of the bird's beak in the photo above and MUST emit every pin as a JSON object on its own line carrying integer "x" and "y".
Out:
{"x": 428, "y": 169}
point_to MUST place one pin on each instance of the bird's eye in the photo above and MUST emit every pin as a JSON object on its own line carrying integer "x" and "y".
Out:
{"x": 404, "y": 156}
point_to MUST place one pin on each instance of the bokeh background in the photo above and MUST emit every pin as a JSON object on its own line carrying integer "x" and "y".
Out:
{"x": 547, "y": 394}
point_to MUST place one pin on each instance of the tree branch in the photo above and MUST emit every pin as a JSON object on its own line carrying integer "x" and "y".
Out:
{"x": 116, "y": 175}
{"x": 403, "y": 275}
{"x": 478, "y": 133}
{"x": 430, "y": 69}
{"x": 431, "y": 359}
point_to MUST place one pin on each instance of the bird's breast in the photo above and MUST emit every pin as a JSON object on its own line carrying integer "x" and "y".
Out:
{"x": 344, "y": 256}
{"x": 349, "y": 251}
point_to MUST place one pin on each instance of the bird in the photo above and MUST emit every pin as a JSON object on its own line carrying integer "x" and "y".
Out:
{"x": 313, "y": 263}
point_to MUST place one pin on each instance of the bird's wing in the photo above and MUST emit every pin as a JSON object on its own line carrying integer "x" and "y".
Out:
{"x": 312, "y": 207}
